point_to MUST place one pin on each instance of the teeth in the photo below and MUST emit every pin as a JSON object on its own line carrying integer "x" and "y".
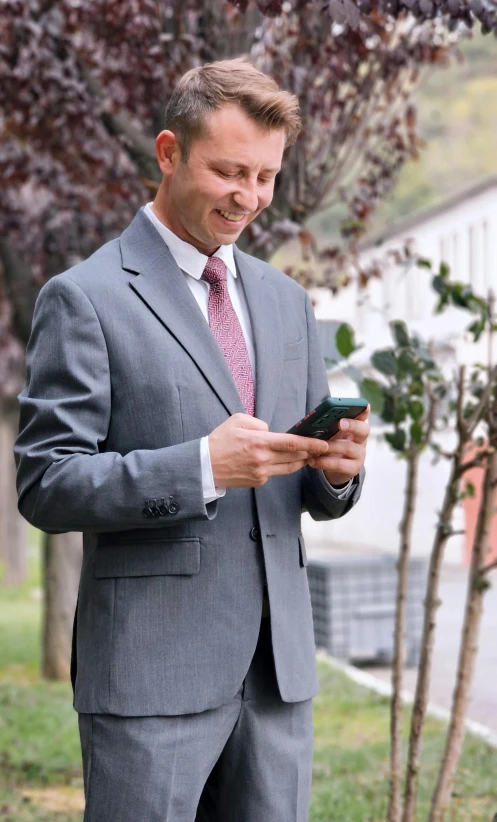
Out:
{"x": 229, "y": 216}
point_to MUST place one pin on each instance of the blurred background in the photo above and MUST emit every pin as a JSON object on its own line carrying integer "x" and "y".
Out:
{"x": 396, "y": 165}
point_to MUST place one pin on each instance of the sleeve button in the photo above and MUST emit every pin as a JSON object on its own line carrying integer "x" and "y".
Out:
{"x": 164, "y": 510}
{"x": 146, "y": 511}
{"x": 153, "y": 507}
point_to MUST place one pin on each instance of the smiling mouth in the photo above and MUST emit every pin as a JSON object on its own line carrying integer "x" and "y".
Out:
{"x": 230, "y": 216}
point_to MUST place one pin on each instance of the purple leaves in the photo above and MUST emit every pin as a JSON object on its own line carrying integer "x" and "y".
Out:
{"x": 345, "y": 12}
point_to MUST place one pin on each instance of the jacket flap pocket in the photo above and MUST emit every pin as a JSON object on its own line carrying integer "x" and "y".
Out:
{"x": 303, "y": 554}
{"x": 148, "y": 559}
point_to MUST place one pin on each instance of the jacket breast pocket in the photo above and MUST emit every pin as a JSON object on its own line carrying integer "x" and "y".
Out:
{"x": 294, "y": 350}
{"x": 148, "y": 559}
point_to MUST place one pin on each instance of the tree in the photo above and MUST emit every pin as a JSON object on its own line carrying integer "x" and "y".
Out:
{"x": 408, "y": 394}
{"x": 13, "y": 530}
{"x": 479, "y": 410}
{"x": 83, "y": 90}
{"x": 82, "y": 94}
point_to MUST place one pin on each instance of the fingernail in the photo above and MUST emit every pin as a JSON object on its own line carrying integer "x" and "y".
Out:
{"x": 344, "y": 424}
{"x": 312, "y": 462}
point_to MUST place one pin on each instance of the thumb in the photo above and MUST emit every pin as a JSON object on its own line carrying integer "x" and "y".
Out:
{"x": 248, "y": 421}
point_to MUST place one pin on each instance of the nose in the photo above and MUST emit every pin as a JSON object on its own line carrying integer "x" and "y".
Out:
{"x": 246, "y": 197}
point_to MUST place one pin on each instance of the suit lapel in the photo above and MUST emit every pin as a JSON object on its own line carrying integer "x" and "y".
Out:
{"x": 160, "y": 283}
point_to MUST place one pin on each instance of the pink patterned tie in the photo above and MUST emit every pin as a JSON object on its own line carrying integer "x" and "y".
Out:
{"x": 227, "y": 330}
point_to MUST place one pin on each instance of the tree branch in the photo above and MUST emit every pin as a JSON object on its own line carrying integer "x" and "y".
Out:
{"x": 490, "y": 567}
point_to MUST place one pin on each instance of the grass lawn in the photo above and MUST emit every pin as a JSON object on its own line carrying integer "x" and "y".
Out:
{"x": 40, "y": 761}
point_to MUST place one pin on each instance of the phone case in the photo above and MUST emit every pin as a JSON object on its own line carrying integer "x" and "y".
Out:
{"x": 322, "y": 422}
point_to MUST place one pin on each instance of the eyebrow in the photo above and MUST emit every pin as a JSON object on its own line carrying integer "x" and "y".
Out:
{"x": 244, "y": 167}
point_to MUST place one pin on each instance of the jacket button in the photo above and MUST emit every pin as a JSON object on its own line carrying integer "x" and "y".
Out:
{"x": 164, "y": 510}
{"x": 154, "y": 508}
{"x": 173, "y": 507}
{"x": 255, "y": 534}
{"x": 147, "y": 512}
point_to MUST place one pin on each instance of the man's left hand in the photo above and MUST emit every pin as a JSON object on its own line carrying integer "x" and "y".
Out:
{"x": 347, "y": 450}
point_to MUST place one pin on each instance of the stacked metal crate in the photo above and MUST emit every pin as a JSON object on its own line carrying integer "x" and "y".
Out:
{"x": 353, "y": 603}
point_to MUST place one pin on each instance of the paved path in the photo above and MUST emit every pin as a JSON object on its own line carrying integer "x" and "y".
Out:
{"x": 483, "y": 704}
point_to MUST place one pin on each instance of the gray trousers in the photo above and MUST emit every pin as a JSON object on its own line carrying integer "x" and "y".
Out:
{"x": 248, "y": 761}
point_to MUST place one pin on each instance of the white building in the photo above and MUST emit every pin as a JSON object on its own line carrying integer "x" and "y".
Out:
{"x": 462, "y": 231}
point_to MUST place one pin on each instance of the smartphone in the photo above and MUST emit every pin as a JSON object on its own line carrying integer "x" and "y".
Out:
{"x": 322, "y": 422}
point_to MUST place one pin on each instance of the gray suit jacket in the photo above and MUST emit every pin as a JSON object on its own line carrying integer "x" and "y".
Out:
{"x": 124, "y": 377}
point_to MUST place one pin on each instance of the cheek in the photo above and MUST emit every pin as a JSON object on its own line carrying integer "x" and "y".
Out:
{"x": 265, "y": 199}
{"x": 212, "y": 191}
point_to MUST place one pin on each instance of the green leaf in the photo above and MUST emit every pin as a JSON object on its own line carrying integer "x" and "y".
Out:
{"x": 481, "y": 583}
{"x": 407, "y": 364}
{"x": 439, "y": 284}
{"x": 437, "y": 452}
{"x": 401, "y": 408}
{"x": 416, "y": 409}
{"x": 397, "y": 439}
{"x": 422, "y": 262}
{"x": 373, "y": 392}
{"x": 416, "y": 388}
{"x": 385, "y": 362}
{"x": 469, "y": 490}
{"x": 468, "y": 410}
{"x": 416, "y": 432}
{"x": 400, "y": 333}
{"x": 425, "y": 355}
{"x": 344, "y": 340}
{"x": 388, "y": 409}
{"x": 461, "y": 295}
{"x": 476, "y": 329}
{"x": 444, "y": 270}
{"x": 441, "y": 390}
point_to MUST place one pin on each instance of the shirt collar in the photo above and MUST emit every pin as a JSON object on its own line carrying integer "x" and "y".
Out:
{"x": 188, "y": 258}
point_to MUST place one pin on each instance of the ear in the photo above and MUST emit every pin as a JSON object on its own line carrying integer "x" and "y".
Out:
{"x": 167, "y": 152}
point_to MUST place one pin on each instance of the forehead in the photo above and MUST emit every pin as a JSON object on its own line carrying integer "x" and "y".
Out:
{"x": 232, "y": 136}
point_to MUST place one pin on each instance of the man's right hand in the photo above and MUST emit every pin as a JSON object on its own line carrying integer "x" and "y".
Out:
{"x": 245, "y": 454}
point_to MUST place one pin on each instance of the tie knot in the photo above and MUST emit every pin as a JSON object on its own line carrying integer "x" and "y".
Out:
{"x": 215, "y": 271}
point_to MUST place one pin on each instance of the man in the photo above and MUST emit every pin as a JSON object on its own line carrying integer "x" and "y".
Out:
{"x": 162, "y": 373}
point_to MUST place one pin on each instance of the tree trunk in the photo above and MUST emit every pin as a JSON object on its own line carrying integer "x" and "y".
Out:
{"x": 399, "y": 639}
{"x": 477, "y": 585}
{"x": 62, "y": 555}
{"x": 431, "y": 604}
{"x": 13, "y": 528}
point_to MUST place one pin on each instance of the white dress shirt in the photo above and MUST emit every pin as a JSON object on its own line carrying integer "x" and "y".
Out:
{"x": 192, "y": 264}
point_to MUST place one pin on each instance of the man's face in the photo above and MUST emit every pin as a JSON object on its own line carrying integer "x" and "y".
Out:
{"x": 227, "y": 181}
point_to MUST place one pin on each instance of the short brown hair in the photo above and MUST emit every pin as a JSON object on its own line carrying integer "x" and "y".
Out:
{"x": 206, "y": 88}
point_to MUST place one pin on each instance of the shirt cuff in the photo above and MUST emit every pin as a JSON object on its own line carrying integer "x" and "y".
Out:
{"x": 339, "y": 493}
{"x": 209, "y": 489}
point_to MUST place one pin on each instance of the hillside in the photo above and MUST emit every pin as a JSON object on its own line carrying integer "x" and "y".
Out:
{"x": 457, "y": 113}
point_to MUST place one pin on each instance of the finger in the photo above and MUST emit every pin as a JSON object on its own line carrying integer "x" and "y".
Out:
{"x": 248, "y": 421}
{"x": 339, "y": 465}
{"x": 363, "y": 417}
{"x": 288, "y": 467}
{"x": 344, "y": 448}
{"x": 359, "y": 429}
{"x": 282, "y": 457}
{"x": 292, "y": 443}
